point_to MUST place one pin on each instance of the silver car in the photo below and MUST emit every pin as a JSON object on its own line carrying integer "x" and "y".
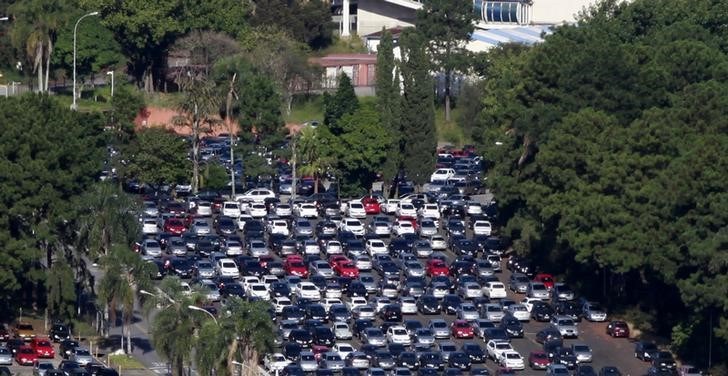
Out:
{"x": 374, "y": 336}
{"x": 467, "y": 311}
{"x": 322, "y": 268}
{"x": 439, "y": 328}
{"x": 307, "y": 361}
{"x": 518, "y": 283}
{"x": 41, "y": 367}
{"x": 342, "y": 330}
{"x": 358, "y": 359}
{"x": 177, "y": 246}
{"x": 257, "y": 248}
{"x": 565, "y": 325}
{"x": 364, "y": 312}
{"x": 369, "y": 282}
{"x": 422, "y": 248}
{"x": 424, "y": 336}
{"x": 81, "y": 355}
{"x": 582, "y": 351}
{"x": 204, "y": 269}
{"x": 6, "y": 357}
{"x": 492, "y": 312}
{"x": 414, "y": 269}
{"x": 332, "y": 361}
{"x": 537, "y": 290}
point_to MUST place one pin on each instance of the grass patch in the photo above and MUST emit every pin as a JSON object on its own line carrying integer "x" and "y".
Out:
{"x": 449, "y": 131}
{"x": 163, "y": 100}
{"x": 125, "y": 362}
{"x": 306, "y": 109}
{"x": 343, "y": 45}
{"x": 84, "y": 329}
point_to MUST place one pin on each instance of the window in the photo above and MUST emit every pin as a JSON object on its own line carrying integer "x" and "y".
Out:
{"x": 499, "y": 11}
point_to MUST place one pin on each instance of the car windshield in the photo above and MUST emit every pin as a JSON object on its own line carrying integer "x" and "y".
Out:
{"x": 581, "y": 348}
{"x": 25, "y": 327}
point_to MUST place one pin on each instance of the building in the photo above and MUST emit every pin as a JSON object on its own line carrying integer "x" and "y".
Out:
{"x": 361, "y": 68}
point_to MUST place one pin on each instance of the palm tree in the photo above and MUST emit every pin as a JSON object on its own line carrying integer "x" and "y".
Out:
{"x": 244, "y": 333}
{"x": 313, "y": 152}
{"x": 107, "y": 218}
{"x": 174, "y": 325}
{"x": 201, "y": 103}
{"x": 125, "y": 273}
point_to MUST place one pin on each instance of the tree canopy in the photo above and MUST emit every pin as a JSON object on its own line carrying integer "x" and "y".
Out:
{"x": 609, "y": 145}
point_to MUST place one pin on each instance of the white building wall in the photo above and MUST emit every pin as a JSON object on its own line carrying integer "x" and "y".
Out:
{"x": 372, "y": 15}
{"x": 557, "y": 11}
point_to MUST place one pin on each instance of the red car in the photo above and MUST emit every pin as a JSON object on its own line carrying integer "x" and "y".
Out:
{"x": 346, "y": 269}
{"x": 436, "y": 267}
{"x": 264, "y": 260}
{"x": 618, "y": 329}
{"x": 335, "y": 259}
{"x": 538, "y": 360}
{"x": 462, "y": 329}
{"x": 371, "y": 205}
{"x": 43, "y": 348}
{"x": 174, "y": 225}
{"x": 294, "y": 266}
{"x": 546, "y": 279}
{"x": 26, "y": 356}
{"x": 319, "y": 350}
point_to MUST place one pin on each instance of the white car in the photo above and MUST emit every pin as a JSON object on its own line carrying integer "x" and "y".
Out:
{"x": 512, "y": 360}
{"x": 381, "y": 228}
{"x": 255, "y": 195}
{"x": 305, "y": 210}
{"x": 442, "y": 174}
{"x": 408, "y": 305}
{"x": 473, "y": 208}
{"x": 494, "y": 290}
{"x": 231, "y": 209}
{"x": 281, "y": 302}
{"x": 438, "y": 243}
{"x": 343, "y": 349}
{"x": 403, "y": 227}
{"x": 227, "y": 268}
{"x": 329, "y": 302}
{"x": 322, "y": 268}
{"x": 471, "y": 290}
{"x": 201, "y": 227}
{"x": 258, "y": 290}
{"x": 390, "y": 207}
{"x": 279, "y": 226}
{"x": 427, "y": 228}
{"x": 430, "y": 211}
{"x": 519, "y": 311}
{"x": 233, "y": 248}
{"x": 406, "y": 209}
{"x": 353, "y": 225}
{"x": 398, "y": 334}
{"x": 204, "y": 209}
{"x": 151, "y": 248}
{"x": 376, "y": 247}
{"x": 333, "y": 247}
{"x": 308, "y": 290}
{"x": 275, "y": 362}
{"x": 342, "y": 330}
{"x": 248, "y": 280}
{"x": 355, "y": 302}
{"x": 528, "y": 302}
{"x": 482, "y": 228}
{"x": 496, "y": 348}
{"x": 283, "y": 210}
{"x": 363, "y": 262}
{"x": 257, "y": 210}
{"x": 149, "y": 226}
{"x": 355, "y": 210}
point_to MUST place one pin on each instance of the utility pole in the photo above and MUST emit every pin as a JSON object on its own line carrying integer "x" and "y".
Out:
{"x": 228, "y": 111}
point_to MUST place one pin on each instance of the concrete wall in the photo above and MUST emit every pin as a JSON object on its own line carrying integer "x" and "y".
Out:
{"x": 557, "y": 11}
{"x": 372, "y": 15}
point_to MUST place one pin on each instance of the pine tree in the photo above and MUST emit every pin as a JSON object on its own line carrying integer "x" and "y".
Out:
{"x": 344, "y": 102}
{"x": 388, "y": 102}
{"x": 419, "y": 137}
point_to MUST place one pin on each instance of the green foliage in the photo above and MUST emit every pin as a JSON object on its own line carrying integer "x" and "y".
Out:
{"x": 157, "y": 156}
{"x": 227, "y": 16}
{"x": 611, "y": 157}
{"x": 96, "y": 48}
{"x": 61, "y": 290}
{"x": 48, "y": 156}
{"x": 215, "y": 177}
{"x": 342, "y": 103}
{"x": 419, "y": 138}
{"x": 308, "y": 21}
{"x": 125, "y": 106}
{"x": 388, "y": 101}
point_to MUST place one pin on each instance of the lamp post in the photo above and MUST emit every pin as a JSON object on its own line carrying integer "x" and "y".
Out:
{"x": 111, "y": 73}
{"x": 196, "y": 308}
{"x": 4, "y": 18}
{"x": 144, "y": 292}
{"x": 75, "y": 28}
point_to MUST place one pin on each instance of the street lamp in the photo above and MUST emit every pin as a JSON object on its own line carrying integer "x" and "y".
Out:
{"x": 196, "y": 308}
{"x": 144, "y": 292}
{"x": 4, "y": 18}
{"x": 73, "y": 105}
{"x": 111, "y": 73}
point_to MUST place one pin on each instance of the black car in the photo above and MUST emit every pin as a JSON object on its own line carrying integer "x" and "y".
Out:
{"x": 408, "y": 359}
{"x": 395, "y": 348}
{"x": 566, "y": 357}
{"x": 278, "y": 289}
{"x": 59, "y": 332}
{"x": 301, "y": 336}
{"x": 643, "y": 350}
{"x": 569, "y": 308}
{"x": 180, "y": 267}
{"x": 428, "y": 305}
{"x": 323, "y": 336}
{"x": 548, "y": 334}
{"x": 585, "y": 370}
{"x": 252, "y": 268}
{"x": 465, "y": 247}
{"x": 232, "y": 289}
{"x": 551, "y": 348}
{"x": 391, "y": 312}
{"x": 610, "y": 371}
{"x": 293, "y": 370}
{"x": 66, "y": 347}
{"x": 460, "y": 360}
{"x": 292, "y": 350}
{"x": 474, "y": 351}
{"x": 451, "y": 303}
{"x": 495, "y": 334}
{"x": 339, "y": 312}
{"x": 427, "y": 372}
{"x": 316, "y": 311}
{"x": 68, "y": 365}
{"x": 350, "y": 371}
{"x": 356, "y": 288}
{"x": 97, "y": 369}
{"x": 360, "y": 325}
{"x": 512, "y": 326}
{"x": 293, "y": 313}
{"x": 542, "y": 311}
{"x": 431, "y": 360}
{"x": 663, "y": 359}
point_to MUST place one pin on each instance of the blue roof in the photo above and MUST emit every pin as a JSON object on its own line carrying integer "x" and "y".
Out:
{"x": 525, "y": 35}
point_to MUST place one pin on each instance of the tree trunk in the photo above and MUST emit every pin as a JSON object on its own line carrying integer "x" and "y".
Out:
{"x": 128, "y": 318}
{"x": 148, "y": 79}
{"x": 447, "y": 96}
{"x": 48, "y": 62}
{"x": 231, "y": 357}
{"x": 39, "y": 66}
{"x": 195, "y": 152}
{"x": 179, "y": 366}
